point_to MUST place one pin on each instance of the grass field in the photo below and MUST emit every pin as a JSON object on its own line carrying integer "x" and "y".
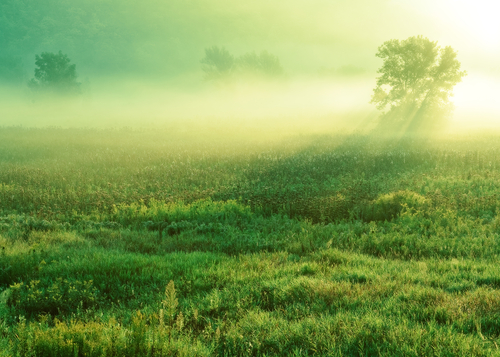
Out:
{"x": 164, "y": 243}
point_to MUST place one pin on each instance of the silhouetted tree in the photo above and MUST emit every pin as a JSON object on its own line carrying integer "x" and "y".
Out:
{"x": 54, "y": 72}
{"x": 218, "y": 63}
{"x": 417, "y": 79}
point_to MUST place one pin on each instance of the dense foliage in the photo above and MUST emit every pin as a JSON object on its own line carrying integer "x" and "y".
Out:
{"x": 54, "y": 73}
{"x": 128, "y": 243}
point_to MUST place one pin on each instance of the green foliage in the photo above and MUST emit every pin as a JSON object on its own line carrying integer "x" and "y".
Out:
{"x": 175, "y": 216}
{"x": 62, "y": 296}
{"x": 144, "y": 337}
{"x": 55, "y": 73}
{"x": 387, "y": 207}
{"x": 415, "y": 70}
{"x": 416, "y": 78}
{"x": 169, "y": 304}
{"x": 305, "y": 247}
{"x": 329, "y": 302}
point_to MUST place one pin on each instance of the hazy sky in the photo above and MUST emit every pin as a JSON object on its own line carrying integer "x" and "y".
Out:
{"x": 308, "y": 33}
{"x": 168, "y": 37}
{"x": 472, "y": 28}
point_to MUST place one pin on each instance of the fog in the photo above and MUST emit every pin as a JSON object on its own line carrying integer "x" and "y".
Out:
{"x": 302, "y": 106}
{"x": 139, "y": 62}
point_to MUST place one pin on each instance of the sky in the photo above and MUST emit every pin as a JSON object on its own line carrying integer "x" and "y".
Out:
{"x": 142, "y": 53}
{"x": 471, "y": 27}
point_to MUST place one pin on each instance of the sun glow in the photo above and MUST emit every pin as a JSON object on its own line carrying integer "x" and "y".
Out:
{"x": 474, "y": 24}
{"x": 476, "y": 101}
{"x": 474, "y": 21}
{"x": 479, "y": 19}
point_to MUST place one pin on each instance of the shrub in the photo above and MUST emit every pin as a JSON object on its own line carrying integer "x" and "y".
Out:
{"x": 387, "y": 207}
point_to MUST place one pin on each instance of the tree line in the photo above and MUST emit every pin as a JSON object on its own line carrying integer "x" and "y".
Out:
{"x": 413, "y": 89}
{"x": 55, "y": 73}
{"x": 218, "y": 64}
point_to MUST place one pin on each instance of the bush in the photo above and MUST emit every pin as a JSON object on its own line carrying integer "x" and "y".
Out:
{"x": 389, "y": 206}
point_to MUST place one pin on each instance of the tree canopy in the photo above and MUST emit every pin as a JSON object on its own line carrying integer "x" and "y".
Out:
{"x": 417, "y": 76}
{"x": 54, "y": 72}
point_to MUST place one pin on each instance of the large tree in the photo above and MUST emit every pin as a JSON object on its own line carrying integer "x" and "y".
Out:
{"x": 416, "y": 78}
{"x": 55, "y": 72}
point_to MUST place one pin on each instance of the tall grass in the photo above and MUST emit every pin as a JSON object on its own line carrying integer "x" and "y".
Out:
{"x": 117, "y": 243}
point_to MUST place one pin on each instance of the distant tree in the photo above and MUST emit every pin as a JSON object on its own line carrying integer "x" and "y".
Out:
{"x": 416, "y": 78}
{"x": 218, "y": 63}
{"x": 265, "y": 64}
{"x": 54, "y": 72}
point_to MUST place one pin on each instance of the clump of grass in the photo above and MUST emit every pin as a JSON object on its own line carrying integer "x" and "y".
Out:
{"x": 203, "y": 211}
{"x": 388, "y": 206}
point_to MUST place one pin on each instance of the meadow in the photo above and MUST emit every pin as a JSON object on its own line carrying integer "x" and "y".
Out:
{"x": 129, "y": 242}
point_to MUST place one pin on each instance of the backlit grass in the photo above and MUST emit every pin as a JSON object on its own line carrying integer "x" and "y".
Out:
{"x": 126, "y": 243}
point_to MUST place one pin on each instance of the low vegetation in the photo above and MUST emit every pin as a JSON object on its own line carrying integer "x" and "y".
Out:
{"x": 137, "y": 243}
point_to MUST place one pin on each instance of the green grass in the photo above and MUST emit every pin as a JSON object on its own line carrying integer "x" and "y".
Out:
{"x": 126, "y": 243}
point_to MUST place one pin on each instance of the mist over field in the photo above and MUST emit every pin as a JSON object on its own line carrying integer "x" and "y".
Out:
{"x": 262, "y": 178}
{"x": 139, "y": 63}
